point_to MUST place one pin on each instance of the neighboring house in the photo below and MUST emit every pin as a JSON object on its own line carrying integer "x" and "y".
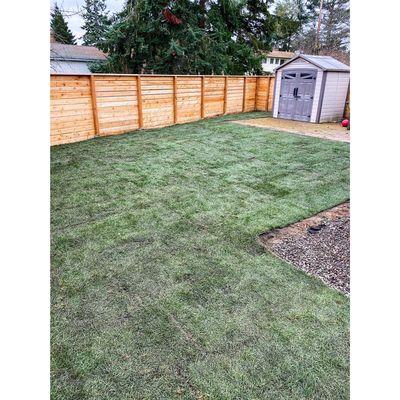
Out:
{"x": 73, "y": 59}
{"x": 275, "y": 58}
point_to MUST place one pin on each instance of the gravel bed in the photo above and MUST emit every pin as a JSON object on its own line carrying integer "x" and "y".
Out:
{"x": 319, "y": 246}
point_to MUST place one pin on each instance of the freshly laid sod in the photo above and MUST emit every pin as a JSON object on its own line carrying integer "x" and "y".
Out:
{"x": 159, "y": 288}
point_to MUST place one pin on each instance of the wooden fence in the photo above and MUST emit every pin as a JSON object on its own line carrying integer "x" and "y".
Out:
{"x": 85, "y": 106}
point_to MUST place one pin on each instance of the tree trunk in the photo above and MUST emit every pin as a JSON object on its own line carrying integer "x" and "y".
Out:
{"x": 202, "y": 21}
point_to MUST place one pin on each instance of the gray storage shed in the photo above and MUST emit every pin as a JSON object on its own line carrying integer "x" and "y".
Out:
{"x": 311, "y": 88}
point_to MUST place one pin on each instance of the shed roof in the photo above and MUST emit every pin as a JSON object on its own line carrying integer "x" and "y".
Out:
{"x": 326, "y": 63}
{"x": 60, "y": 51}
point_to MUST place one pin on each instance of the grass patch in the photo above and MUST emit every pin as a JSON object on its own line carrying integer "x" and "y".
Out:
{"x": 159, "y": 288}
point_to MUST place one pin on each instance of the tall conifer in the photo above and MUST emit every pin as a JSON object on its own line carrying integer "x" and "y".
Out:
{"x": 189, "y": 37}
{"x": 59, "y": 26}
{"x": 96, "y": 22}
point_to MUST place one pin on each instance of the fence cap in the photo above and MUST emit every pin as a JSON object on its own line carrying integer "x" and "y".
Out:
{"x": 161, "y": 75}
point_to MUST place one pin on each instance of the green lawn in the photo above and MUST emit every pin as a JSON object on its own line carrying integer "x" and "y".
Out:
{"x": 159, "y": 288}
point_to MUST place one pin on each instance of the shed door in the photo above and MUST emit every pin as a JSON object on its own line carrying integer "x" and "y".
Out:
{"x": 297, "y": 94}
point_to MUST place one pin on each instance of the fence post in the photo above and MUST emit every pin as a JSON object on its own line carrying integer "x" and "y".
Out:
{"x": 256, "y": 94}
{"x": 202, "y": 98}
{"x": 268, "y": 90}
{"x": 175, "y": 100}
{"x": 182, "y": 102}
{"x": 244, "y": 94}
{"x": 225, "y": 93}
{"x": 94, "y": 105}
{"x": 139, "y": 101}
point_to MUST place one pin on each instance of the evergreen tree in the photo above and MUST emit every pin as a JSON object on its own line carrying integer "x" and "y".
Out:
{"x": 96, "y": 22}
{"x": 189, "y": 37}
{"x": 290, "y": 17}
{"x": 335, "y": 28}
{"x": 333, "y": 38}
{"x": 59, "y": 26}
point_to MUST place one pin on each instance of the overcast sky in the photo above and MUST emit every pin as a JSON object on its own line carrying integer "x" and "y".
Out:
{"x": 74, "y": 20}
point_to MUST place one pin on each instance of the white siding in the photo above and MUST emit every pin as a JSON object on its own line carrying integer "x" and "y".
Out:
{"x": 276, "y": 93}
{"x": 69, "y": 67}
{"x": 268, "y": 67}
{"x": 299, "y": 63}
{"x": 335, "y": 94}
{"x": 317, "y": 94}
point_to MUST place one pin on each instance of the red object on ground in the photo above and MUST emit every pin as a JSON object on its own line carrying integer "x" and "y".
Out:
{"x": 345, "y": 123}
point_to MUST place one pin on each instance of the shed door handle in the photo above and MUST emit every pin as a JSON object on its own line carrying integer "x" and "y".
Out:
{"x": 295, "y": 91}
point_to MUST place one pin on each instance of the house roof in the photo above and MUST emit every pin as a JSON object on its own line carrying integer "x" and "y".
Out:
{"x": 326, "y": 63}
{"x": 280, "y": 54}
{"x": 71, "y": 52}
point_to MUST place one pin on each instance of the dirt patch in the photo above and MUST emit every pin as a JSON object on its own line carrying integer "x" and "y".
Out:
{"x": 330, "y": 131}
{"x": 319, "y": 245}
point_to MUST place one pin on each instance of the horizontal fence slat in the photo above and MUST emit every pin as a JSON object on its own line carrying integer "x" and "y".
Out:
{"x": 88, "y": 105}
